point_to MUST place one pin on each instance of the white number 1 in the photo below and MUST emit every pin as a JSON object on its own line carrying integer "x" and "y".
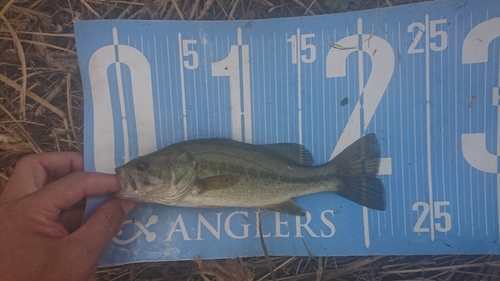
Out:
{"x": 302, "y": 45}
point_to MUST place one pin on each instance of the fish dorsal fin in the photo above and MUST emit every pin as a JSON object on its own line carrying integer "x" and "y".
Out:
{"x": 287, "y": 207}
{"x": 216, "y": 182}
{"x": 292, "y": 151}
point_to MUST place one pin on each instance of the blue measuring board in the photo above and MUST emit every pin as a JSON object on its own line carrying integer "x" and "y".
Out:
{"x": 425, "y": 78}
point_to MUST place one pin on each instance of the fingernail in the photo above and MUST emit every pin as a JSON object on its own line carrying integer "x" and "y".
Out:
{"x": 127, "y": 206}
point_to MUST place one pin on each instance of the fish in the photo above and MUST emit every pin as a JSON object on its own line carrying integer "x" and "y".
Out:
{"x": 215, "y": 172}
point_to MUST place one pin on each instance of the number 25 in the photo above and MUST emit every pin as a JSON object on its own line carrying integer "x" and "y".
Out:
{"x": 434, "y": 33}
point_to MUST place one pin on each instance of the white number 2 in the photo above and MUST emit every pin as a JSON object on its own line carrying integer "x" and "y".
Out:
{"x": 438, "y": 214}
{"x": 373, "y": 91}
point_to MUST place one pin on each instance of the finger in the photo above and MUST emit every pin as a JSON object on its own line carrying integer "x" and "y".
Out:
{"x": 102, "y": 226}
{"x": 71, "y": 218}
{"x": 67, "y": 191}
{"x": 45, "y": 166}
{"x": 33, "y": 171}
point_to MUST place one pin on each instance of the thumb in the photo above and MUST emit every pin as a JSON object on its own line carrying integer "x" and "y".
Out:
{"x": 103, "y": 225}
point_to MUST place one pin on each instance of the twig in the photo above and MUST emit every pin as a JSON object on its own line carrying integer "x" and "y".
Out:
{"x": 194, "y": 8}
{"x": 109, "y": 10}
{"x": 68, "y": 35}
{"x": 22, "y": 58}
{"x": 71, "y": 9}
{"x": 437, "y": 268}
{"x": 303, "y": 6}
{"x": 206, "y": 7}
{"x": 278, "y": 267}
{"x": 6, "y": 7}
{"x": 31, "y": 142}
{"x": 222, "y": 9}
{"x": 353, "y": 266}
{"x": 308, "y": 252}
{"x": 52, "y": 95}
{"x": 264, "y": 247}
{"x": 309, "y": 8}
{"x": 174, "y": 2}
{"x": 90, "y": 8}
{"x": 34, "y": 97}
{"x": 233, "y": 9}
{"x": 319, "y": 273}
{"x": 41, "y": 44}
{"x": 129, "y": 8}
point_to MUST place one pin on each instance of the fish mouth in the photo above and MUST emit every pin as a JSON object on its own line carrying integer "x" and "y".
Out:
{"x": 127, "y": 182}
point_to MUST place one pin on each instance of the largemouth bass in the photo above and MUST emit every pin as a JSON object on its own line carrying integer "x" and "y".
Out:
{"x": 227, "y": 173}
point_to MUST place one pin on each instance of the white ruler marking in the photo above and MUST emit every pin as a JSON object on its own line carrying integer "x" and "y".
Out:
{"x": 413, "y": 149}
{"x": 361, "y": 83}
{"x": 264, "y": 86}
{"x": 195, "y": 106}
{"x": 323, "y": 65}
{"x": 428, "y": 123}
{"x": 456, "y": 122}
{"x": 299, "y": 86}
{"x": 170, "y": 88}
{"x": 208, "y": 95}
{"x": 471, "y": 205}
{"x": 158, "y": 99}
{"x": 183, "y": 89}
{"x": 119, "y": 84}
{"x": 276, "y": 91}
{"x": 498, "y": 145}
{"x": 401, "y": 130}
{"x": 287, "y": 55}
{"x": 391, "y": 211}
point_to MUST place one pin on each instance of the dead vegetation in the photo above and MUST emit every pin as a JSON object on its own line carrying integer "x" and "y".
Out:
{"x": 41, "y": 110}
{"x": 315, "y": 268}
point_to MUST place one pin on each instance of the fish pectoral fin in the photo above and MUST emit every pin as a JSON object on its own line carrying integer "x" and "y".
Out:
{"x": 287, "y": 207}
{"x": 216, "y": 182}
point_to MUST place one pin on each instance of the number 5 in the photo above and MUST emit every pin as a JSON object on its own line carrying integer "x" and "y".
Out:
{"x": 187, "y": 52}
{"x": 441, "y": 33}
{"x": 438, "y": 214}
{"x": 305, "y": 46}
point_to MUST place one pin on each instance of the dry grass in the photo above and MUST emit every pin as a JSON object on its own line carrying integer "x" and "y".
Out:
{"x": 41, "y": 110}
{"x": 320, "y": 268}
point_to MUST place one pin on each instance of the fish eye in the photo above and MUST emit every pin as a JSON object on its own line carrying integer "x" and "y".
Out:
{"x": 142, "y": 165}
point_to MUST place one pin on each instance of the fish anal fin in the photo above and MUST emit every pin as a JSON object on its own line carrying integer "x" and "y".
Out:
{"x": 292, "y": 151}
{"x": 216, "y": 182}
{"x": 287, "y": 207}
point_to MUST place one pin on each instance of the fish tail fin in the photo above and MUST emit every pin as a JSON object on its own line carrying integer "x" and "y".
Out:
{"x": 366, "y": 191}
{"x": 357, "y": 168}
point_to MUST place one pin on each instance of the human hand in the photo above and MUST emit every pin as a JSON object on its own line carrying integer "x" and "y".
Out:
{"x": 41, "y": 210}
